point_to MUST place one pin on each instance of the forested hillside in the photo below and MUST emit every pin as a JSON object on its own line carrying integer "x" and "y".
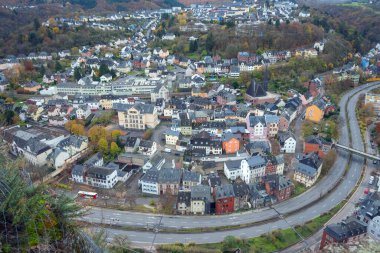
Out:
{"x": 358, "y": 24}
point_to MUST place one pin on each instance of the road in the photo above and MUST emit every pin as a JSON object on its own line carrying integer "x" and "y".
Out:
{"x": 302, "y": 205}
{"x": 314, "y": 241}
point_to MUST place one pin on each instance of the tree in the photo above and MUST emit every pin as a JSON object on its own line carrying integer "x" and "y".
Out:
{"x": 277, "y": 23}
{"x": 103, "y": 69}
{"x": 210, "y": 42}
{"x": 9, "y": 100}
{"x": 36, "y": 24}
{"x": 95, "y": 133}
{"x": 77, "y": 74}
{"x": 114, "y": 149}
{"x": 328, "y": 162}
{"x": 78, "y": 129}
{"x": 58, "y": 66}
{"x": 115, "y": 134}
{"x": 148, "y": 134}
{"x": 230, "y": 23}
{"x": 103, "y": 146}
{"x": 193, "y": 46}
{"x": 74, "y": 51}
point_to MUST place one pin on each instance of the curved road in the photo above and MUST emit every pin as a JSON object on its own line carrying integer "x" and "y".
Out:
{"x": 302, "y": 204}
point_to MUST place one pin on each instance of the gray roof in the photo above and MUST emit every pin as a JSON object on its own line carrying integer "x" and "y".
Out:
{"x": 224, "y": 191}
{"x": 170, "y": 176}
{"x": 254, "y": 120}
{"x": 271, "y": 119}
{"x": 229, "y": 136}
{"x": 72, "y": 140}
{"x": 191, "y": 176}
{"x": 94, "y": 159}
{"x": 233, "y": 165}
{"x": 184, "y": 197}
{"x": 201, "y": 192}
{"x": 142, "y": 108}
{"x": 283, "y": 136}
{"x": 151, "y": 176}
{"x": 172, "y": 133}
{"x": 305, "y": 169}
{"x": 78, "y": 170}
{"x": 146, "y": 144}
{"x": 256, "y": 161}
{"x": 99, "y": 172}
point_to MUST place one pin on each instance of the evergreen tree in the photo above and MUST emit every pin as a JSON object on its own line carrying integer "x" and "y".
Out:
{"x": 77, "y": 74}
{"x": 210, "y": 42}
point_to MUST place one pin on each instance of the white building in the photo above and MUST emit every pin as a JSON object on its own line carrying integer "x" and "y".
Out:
{"x": 160, "y": 92}
{"x": 308, "y": 169}
{"x": 253, "y": 168}
{"x": 149, "y": 182}
{"x": 83, "y": 111}
{"x": 287, "y": 142}
{"x": 232, "y": 169}
{"x": 101, "y": 177}
{"x": 373, "y": 229}
{"x": 171, "y": 137}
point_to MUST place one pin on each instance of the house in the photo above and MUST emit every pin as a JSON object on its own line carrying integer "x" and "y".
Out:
{"x": 156, "y": 161}
{"x": 32, "y": 86}
{"x": 271, "y": 123}
{"x": 185, "y": 124}
{"x": 308, "y": 169}
{"x": 242, "y": 194}
{"x": 149, "y": 182}
{"x": 201, "y": 199}
{"x": 147, "y": 147}
{"x": 374, "y": 228}
{"x": 101, "y": 177}
{"x": 287, "y": 142}
{"x": 33, "y": 143}
{"x": 169, "y": 181}
{"x": 159, "y": 92}
{"x": 213, "y": 179}
{"x": 256, "y": 127}
{"x": 231, "y": 143}
{"x": 68, "y": 150}
{"x": 374, "y": 99}
{"x": 318, "y": 144}
{"x": 95, "y": 160}
{"x": 78, "y": 174}
{"x": 131, "y": 144}
{"x": 278, "y": 186}
{"x": 203, "y": 141}
{"x": 168, "y": 36}
{"x": 137, "y": 116}
{"x": 349, "y": 230}
{"x": 106, "y": 78}
{"x": 224, "y": 199}
{"x": 190, "y": 179}
{"x": 184, "y": 202}
{"x": 232, "y": 169}
{"x": 234, "y": 71}
{"x": 82, "y": 112}
{"x": 171, "y": 137}
{"x": 253, "y": 168}
{"x": 314, "y": 113}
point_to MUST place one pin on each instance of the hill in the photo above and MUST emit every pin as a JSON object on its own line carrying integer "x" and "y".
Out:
{"x": 97, "y": 5}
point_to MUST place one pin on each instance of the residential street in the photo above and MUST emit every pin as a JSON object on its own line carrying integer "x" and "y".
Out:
{"x": 298, "y": 204}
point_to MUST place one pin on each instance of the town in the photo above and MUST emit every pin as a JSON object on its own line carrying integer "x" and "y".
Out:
{"x": 156, "y": 122}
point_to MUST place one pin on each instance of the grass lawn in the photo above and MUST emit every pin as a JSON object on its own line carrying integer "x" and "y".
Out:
{"x": 298, "y": 189}
{"x": 270, "y": 242}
